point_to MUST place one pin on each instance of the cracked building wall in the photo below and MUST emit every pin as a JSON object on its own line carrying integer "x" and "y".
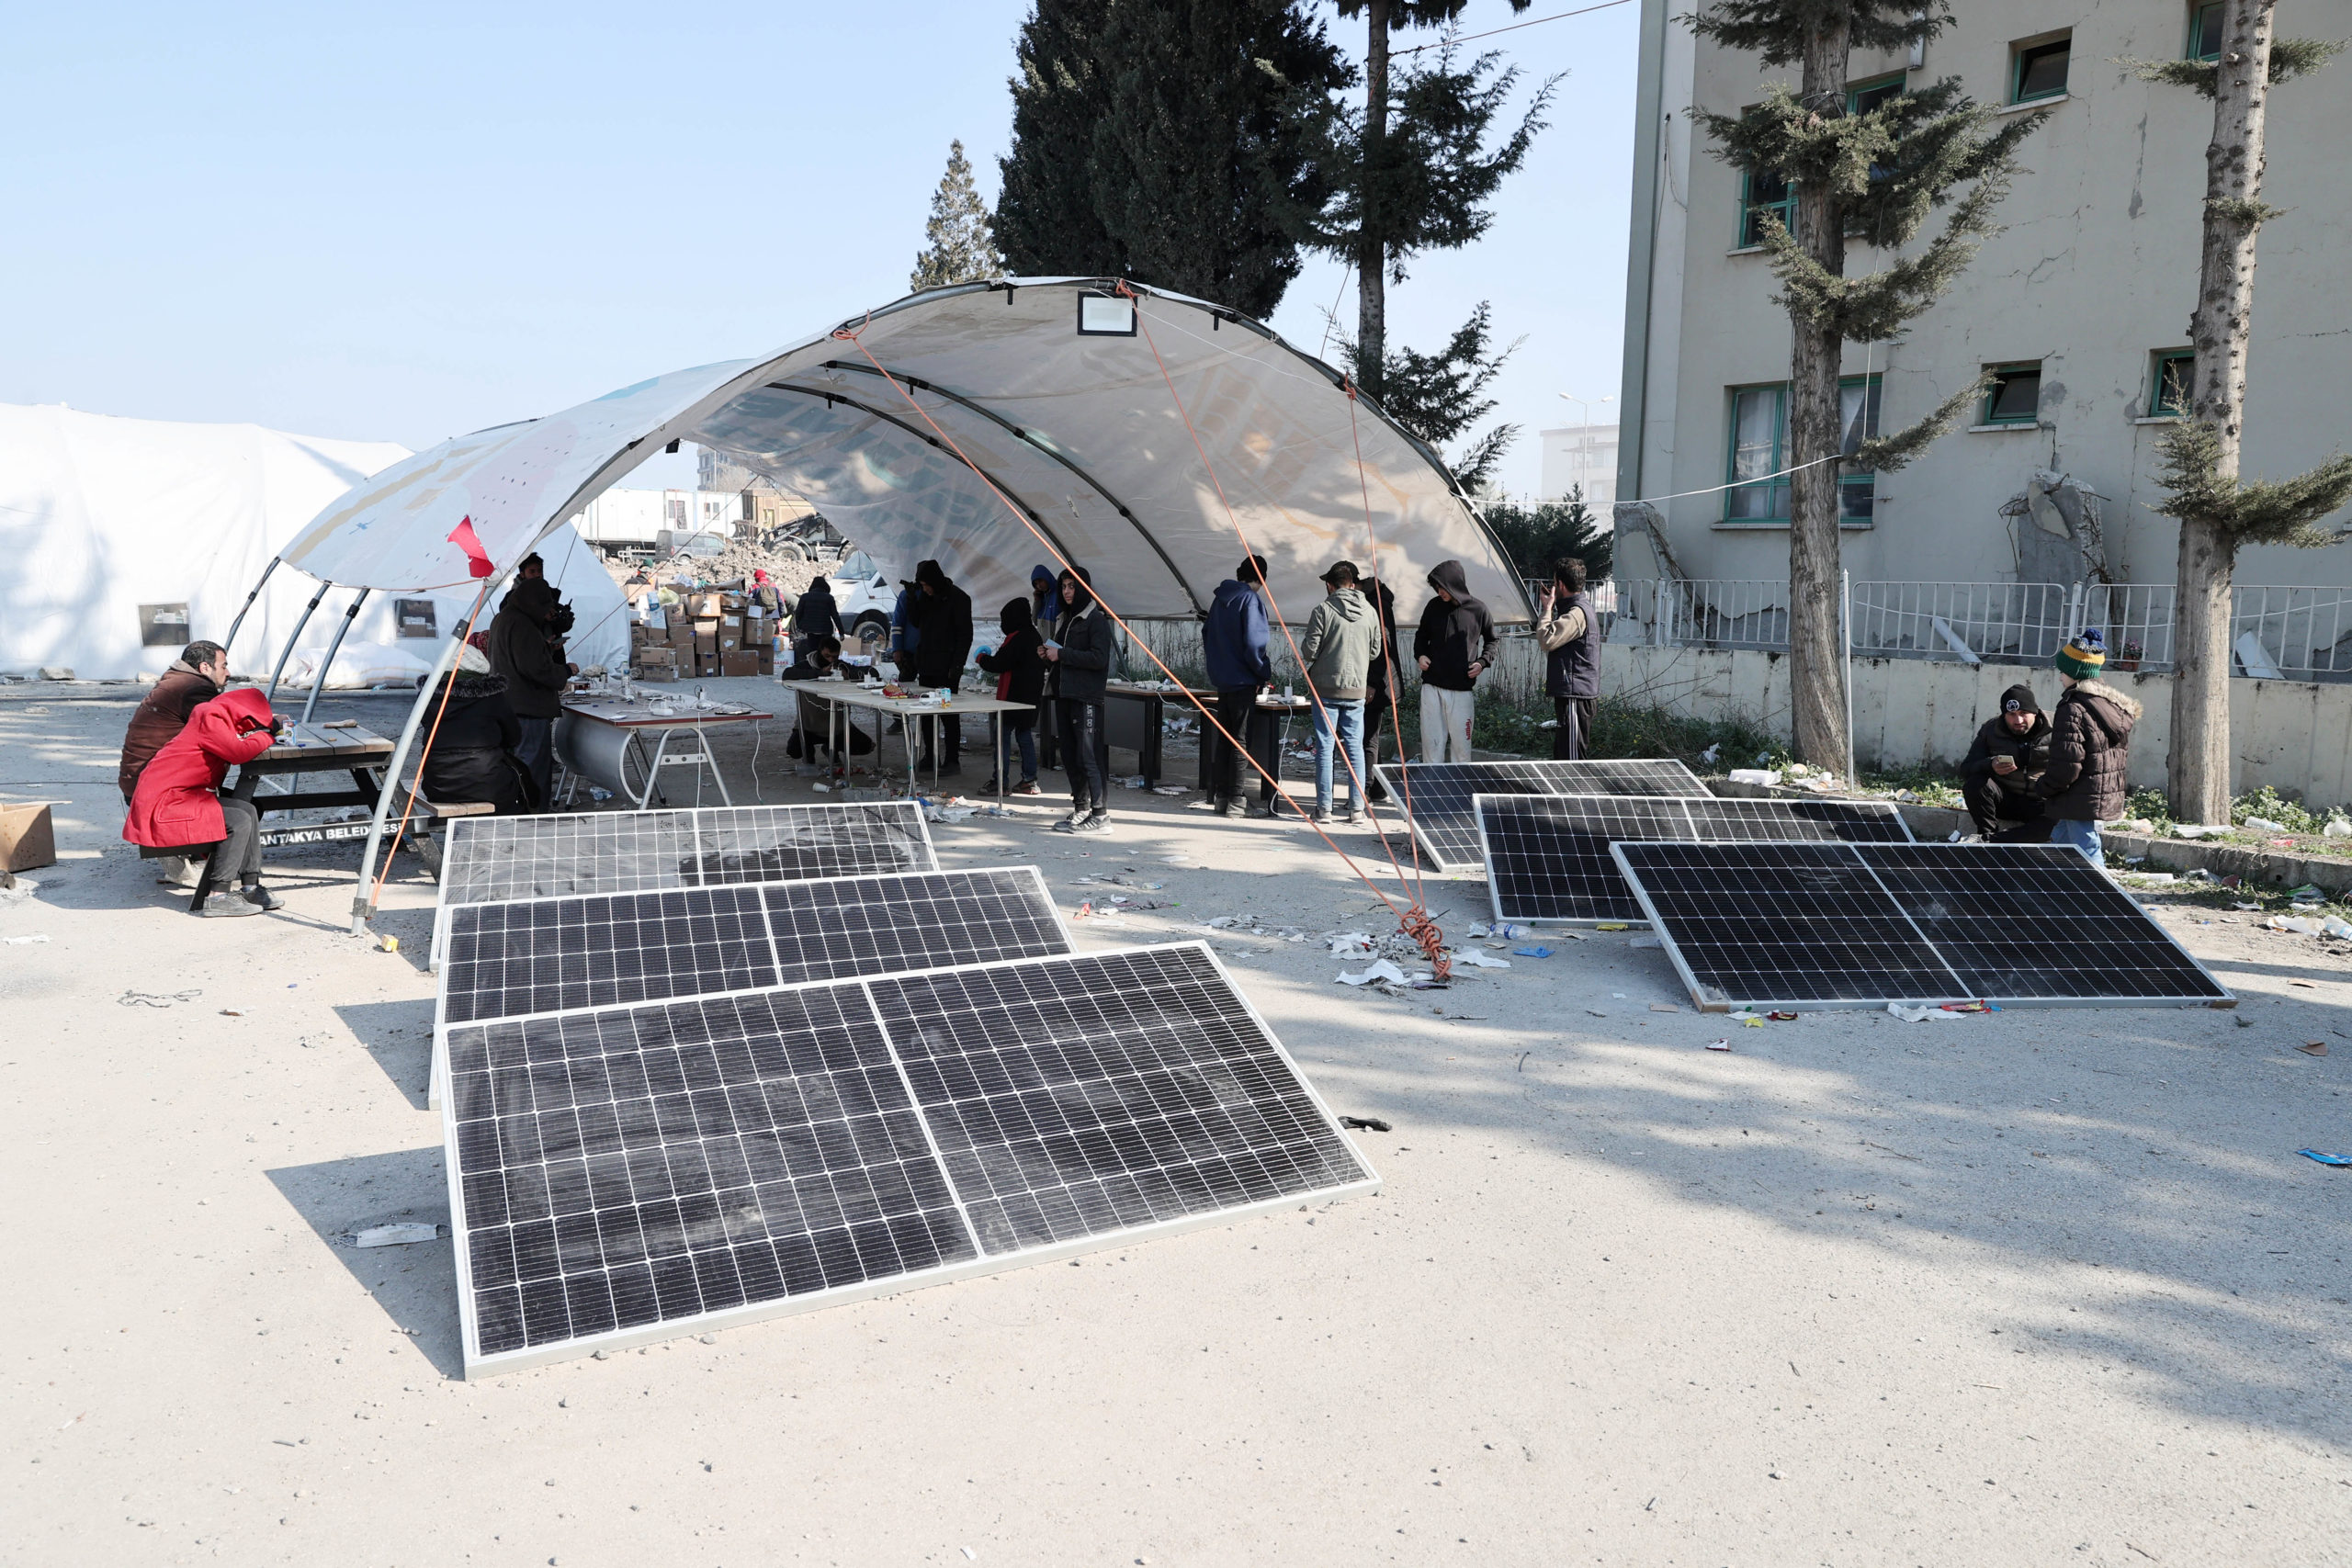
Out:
{"x": 2095, "y": 274}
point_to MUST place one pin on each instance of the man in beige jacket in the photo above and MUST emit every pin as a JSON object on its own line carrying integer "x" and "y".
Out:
{"x": 1568, "y": 630}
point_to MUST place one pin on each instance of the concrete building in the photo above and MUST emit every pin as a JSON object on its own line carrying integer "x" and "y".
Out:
{"x": 2080, "y": 304}
{"x": 1581, "y": 454}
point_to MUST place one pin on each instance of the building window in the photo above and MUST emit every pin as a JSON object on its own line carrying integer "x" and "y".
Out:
{"x": 1759, "y": 447}
{"x": 2041, "y": 71}
{"x": 2016, "y": 397}
{"x": 1762, "y": 192}
{"x": 2173, "y": 385}
{"x": 2205, "y": 32}
{"x": 1864, "y": 96}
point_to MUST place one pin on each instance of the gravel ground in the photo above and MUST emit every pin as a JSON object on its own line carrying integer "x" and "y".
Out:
{"x": 2040, "y": 1287}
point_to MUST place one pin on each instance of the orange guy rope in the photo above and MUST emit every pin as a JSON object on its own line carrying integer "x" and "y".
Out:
{"x": 449, "y": 687}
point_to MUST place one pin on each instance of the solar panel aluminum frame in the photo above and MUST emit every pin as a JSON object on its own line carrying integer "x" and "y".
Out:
{"x": 478, "y": 1366}
{"x": 1493, "y": 888}
{"x": 1391, "y": 776}
{"x": 461, "y": 828}
{"x": 1708, "y": 1000}
{"x": 437, "y": 1077}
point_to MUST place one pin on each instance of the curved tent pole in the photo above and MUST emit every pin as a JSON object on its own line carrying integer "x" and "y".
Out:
{"x": 296, "y": 635}
{"x": 1026, "y": 439}
{"x": 891, "y": 419}
{"x": 362, "y": 909}
{"x": 326, "y": 663}
{"x": 230, "y": 641}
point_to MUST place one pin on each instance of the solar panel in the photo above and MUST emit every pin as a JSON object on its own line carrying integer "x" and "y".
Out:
{"x": 627, "y": 1174}
{"x": 1860, "y": 925}
{"x": 1547, "y": 856}
{"x": 1437, "y": 796}
{"x": 501, "y": 859}
{"x": 491, "y": 859}
{"x": 515, "y": 959}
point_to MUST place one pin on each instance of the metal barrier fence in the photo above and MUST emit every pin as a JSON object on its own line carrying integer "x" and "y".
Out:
{"x": 2290, "y": 633}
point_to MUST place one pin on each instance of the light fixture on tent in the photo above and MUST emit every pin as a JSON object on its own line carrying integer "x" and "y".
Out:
{"x": 672, "y": 447}
{"x": 1105, "y": 315}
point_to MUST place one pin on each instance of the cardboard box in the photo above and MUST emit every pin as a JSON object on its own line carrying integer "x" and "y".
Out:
{"x": 732, "y": 603}
{"x": 27, "y": 841}
{"x": 731, "y": 642}
{"x": 647, "y": 658}
{"x": 705, "y": 645}
{"x": 682, "y": 634}
{"x": 739, "y": 664}
{"x": 701, "y": 605}
{"x": 658, "y": 673}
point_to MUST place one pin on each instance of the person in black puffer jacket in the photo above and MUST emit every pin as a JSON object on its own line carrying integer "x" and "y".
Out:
{"x": 523, "y": 650}
{"x": 943, "y": 613}
{"x": 473, "y": 752}
{"x": 1998, "y": 775}
{"x": 1081, "y": 670}
{"x": 1019, "y": 665}
{"x": 2090, "y": 748}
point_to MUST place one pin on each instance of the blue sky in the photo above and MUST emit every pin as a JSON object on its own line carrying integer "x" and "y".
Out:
{"x": 401, "y": 224}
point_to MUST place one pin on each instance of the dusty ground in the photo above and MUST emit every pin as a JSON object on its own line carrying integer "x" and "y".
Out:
{"x": 2045, "y": 1287}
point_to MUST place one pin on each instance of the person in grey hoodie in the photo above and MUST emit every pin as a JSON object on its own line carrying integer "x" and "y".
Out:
{"x": 1341, "y": 645}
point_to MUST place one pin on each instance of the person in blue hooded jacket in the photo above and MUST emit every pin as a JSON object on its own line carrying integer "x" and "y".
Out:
{"x": 1233, "y": 642}
{"x": 1045, "y": 599}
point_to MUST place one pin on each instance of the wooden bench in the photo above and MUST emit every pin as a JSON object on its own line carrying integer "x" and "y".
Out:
{"x": 425, "y": 822}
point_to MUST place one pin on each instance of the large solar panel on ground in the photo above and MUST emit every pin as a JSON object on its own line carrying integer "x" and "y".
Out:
{"x": 1437, "y": 796}
{"x": 1845, "y": 925}
{"x": 490, "y": 859}
{"x": 553, "y": 954}
{"x": 626, "y": 1173}
{"x": 1547, "y": 856}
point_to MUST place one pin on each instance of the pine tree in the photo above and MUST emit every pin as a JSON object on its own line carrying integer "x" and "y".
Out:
{"x": 1415, "y": 182}
{"x": 1439, "y": 396}
{"x": 956, "y": 243}
{"x": 1538, "y": 536}
{"x": 1166, "y": 141}
{"x": 1877, "y": 175}
{"x": 2218, "y": 512}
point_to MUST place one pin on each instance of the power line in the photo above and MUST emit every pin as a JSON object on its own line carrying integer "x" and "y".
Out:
{"x": 1514, "y": 27}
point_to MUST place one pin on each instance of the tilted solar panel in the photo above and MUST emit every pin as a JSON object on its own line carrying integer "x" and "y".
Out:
{"x": 1547, "y": 856}
{"x": 1438, "y": 797}
{"x": 626, "y": 1173}
{"x": 1861, "y": 925}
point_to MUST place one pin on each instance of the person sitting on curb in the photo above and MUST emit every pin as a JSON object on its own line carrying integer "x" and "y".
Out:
{"x": 2090, "y": 748}
{"x": 178, "y": 804}
{"x": 1998, "y": 775}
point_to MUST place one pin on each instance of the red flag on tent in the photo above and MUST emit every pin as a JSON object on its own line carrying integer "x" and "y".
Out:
{"x": 478, "y": 559}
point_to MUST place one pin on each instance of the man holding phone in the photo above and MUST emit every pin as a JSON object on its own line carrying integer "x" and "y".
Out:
{"x": 1997, "y": 776}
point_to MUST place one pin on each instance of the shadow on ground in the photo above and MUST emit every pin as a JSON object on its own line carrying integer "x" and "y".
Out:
{"x": 415, "y": 1285}
{"x": 399, "y": 1034}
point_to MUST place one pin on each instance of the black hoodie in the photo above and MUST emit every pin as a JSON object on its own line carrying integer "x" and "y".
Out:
{"x": 945, "y": 617}
{"x": 1087, "y": 641}
{"x": 1020, "y": 655}
{"x": 1453, "y": 637}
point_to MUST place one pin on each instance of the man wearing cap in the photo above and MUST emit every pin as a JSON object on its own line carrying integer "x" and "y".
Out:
{"x": 2090, "y": 747}
{"x": 1998, "y": 775}
{"x": 1341, "y": 644}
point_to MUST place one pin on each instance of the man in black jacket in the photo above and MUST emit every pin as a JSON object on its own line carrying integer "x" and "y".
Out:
{"x": 476, "y": 734}
{"x": 943, "y": 613}
{"x": 1998, "y": 775}
{"x": 1082, "y": 664}
{"x": 1567, "y": 631}
{"x": 1450, "y": 648}
{"x": 523, "y": 650}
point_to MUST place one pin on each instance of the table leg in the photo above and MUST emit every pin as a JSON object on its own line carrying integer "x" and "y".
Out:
{"x": 710, "y": 760}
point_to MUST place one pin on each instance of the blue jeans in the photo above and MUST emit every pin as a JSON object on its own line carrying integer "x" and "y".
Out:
{"x": 2083, "y": 835}
{"x": 1347, "y": 717}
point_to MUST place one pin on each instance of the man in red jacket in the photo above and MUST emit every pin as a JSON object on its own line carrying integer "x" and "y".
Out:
{"x": 198, "y": 675}
{"x": 178, "y": 806}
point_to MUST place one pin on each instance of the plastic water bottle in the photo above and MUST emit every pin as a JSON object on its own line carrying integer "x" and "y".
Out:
{"x": 1510, "y": 931}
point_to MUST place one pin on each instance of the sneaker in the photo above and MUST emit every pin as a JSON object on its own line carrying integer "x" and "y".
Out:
{"x": 989, "y": 787}
{"x": 1230, "y": 808}
{"x": 169, "y": 869}
{"x": 261, "y": 898}
{"x": 1097, "y": 821}
{"x": 224, "y": 906}
{"x": 1322, "y": 818}
{"x": 1357, "y": 820}
{"x": 1028, "y": 786}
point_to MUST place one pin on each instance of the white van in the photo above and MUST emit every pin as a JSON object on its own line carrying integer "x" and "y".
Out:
{"x": 863, "y": 595}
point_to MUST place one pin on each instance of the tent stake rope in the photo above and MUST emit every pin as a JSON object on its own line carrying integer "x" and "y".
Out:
{"x": 1414, "y": 923}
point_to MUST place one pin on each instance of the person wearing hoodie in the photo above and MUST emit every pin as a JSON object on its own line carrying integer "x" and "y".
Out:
{"x": 178, "y": 806}
{"x": 943, "y": 613}
{"x": 1342, "y": 645}
{"x": 1045, "y": 599}
{"x": 2090, "y": 748}
{"x": 1566, "y": 631}
{"x": 1080, "y": 669}
{"x": 1450, "y": 648}
{"x": 1233, "y": 644}
{"x": 1998, "y": 775}
{"x": 522, "y": 651}
{"x": 815, "y": 615}
{"x": 474, "y": 755}
{"x": 1019, "y": 665}
{"x": 1382, "y": 687}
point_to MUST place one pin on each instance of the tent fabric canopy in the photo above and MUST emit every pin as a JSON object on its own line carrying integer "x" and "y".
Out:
{"x": 1078, "y": 429}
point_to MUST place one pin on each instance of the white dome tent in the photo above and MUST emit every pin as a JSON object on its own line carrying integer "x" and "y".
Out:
{"x": 1087, "y": 404}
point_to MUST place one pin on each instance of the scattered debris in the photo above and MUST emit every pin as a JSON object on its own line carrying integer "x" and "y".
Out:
{"x": 388, "y": 943}
{"x": 1920, "y": 1014}
{"x": 2326, "y": 1158}
{"x": 1718, "y": 1045}
{"x": 1781, "y": 1017}
{"x": 2313, "y": 1047}
{"x": 1380, "y": 969}
{"x": 1478, "y": 960}
{"x": 1646, "y": 942}
{"x": 1664, "y": 1007}
{"x": 233, "y": 1012}
{"x": 1612, "y": 926}
{"x": 156, "y": 999}
{"x": 1365, "y": 1123}
{"x": 1531, "y": 953}
{"x": 22, "y": 941}
{"x": 2263, "y": 825}
{"x": 401, "y": 1234}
